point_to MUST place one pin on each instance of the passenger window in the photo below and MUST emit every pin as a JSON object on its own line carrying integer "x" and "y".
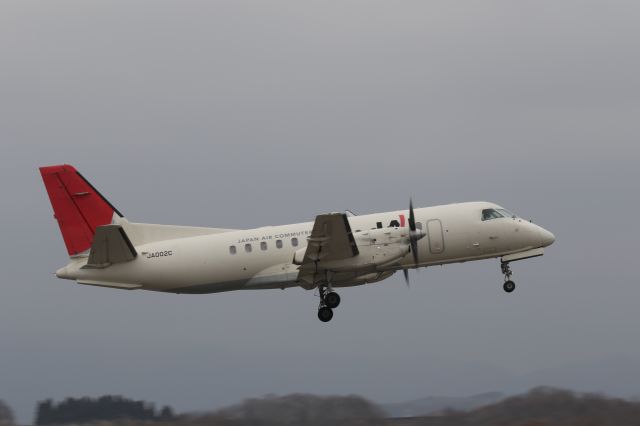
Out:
{"x": 247, "y": 248}
{"x": 294, "y": 242}
{"x": 232, "y": 249}
{"x": 279, "y": 243}
{"x": 263, "y": 245}
{"x": 488, "y": 214}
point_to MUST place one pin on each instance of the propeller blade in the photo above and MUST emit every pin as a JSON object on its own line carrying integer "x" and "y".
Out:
{"x": 413, "y": 237}
{"x": 412, "y": 218}
{"x": 406, "y": 276}
{"x": 414, "y": 249}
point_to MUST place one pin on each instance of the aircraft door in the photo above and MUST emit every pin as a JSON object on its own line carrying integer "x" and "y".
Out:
{"x": 435, "y": 236}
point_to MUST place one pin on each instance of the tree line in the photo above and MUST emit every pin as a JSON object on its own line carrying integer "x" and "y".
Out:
{"x": 6, "y": 415}
{"x": 105, "y": 408}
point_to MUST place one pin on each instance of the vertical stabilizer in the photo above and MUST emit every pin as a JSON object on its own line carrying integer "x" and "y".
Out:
{"x": 78, "y": 207}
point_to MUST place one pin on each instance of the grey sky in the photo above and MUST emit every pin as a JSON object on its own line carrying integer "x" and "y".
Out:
{"x": 242, "y": 114}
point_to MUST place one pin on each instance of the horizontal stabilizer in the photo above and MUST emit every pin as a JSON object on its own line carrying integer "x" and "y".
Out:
{"x": 110, "y": 245}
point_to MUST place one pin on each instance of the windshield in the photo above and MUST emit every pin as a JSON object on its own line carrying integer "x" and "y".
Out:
{"x": 488, "y": 214}
{"x": 506, "y": 213}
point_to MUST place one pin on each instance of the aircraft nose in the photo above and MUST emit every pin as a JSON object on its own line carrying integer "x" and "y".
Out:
{"x": 547, "y": 238}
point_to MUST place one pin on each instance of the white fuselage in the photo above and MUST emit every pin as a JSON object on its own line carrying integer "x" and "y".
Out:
{"x": 264, "y": 257}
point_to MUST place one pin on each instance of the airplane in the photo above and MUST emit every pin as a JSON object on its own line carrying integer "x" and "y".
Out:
{"x": 337, "y": 249}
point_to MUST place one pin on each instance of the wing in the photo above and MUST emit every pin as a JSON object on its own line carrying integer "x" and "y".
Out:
{"x": 331, "y": 239}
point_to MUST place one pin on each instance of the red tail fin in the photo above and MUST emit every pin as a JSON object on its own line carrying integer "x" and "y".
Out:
{"x": 77, "y": 205}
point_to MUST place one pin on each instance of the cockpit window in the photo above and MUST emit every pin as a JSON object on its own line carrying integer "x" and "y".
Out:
{"x": 488, "y": 214}
{"x": 506, "y": 213}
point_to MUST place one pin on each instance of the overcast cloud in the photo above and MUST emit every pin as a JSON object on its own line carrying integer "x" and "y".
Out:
{"x": 243, "y": 114}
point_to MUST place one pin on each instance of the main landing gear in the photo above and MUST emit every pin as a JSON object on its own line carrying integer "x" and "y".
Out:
{"x": 508, "y": 285}
{"x": 329, "y": 300}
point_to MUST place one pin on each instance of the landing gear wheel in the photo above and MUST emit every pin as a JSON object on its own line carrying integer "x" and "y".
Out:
{"x": 325, "y": 314}
{"x": 332, "y": 300}
{"x": 509, "y": 286}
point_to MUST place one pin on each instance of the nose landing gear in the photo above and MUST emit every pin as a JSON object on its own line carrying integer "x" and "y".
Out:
{"x": 508, "y": 285}
{"x": 329, "y": 300}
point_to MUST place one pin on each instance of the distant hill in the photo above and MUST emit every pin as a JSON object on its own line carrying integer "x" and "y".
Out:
{"x": 437, "y": 404}
{"x": 297, "y": 410}
{"x": 551, "y": 407}
{"x": 617, "y": 376}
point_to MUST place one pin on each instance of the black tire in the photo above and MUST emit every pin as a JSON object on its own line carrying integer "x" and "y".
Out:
{"x": 509, "y": 286}
{"x": 332, "y": 300}
{"x": 325, "y": 314}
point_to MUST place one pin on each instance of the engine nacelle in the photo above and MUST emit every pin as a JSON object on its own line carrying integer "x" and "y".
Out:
{"x": 382, "y": 255}
{"x": 374, "y": 278}
{"x": 377, "y": 248}
{"x": 382, "y": 236}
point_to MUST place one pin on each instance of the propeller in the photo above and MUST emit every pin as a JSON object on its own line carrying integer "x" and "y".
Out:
{"x": 406, "y": 277}
{"x": 414, "y": 235}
